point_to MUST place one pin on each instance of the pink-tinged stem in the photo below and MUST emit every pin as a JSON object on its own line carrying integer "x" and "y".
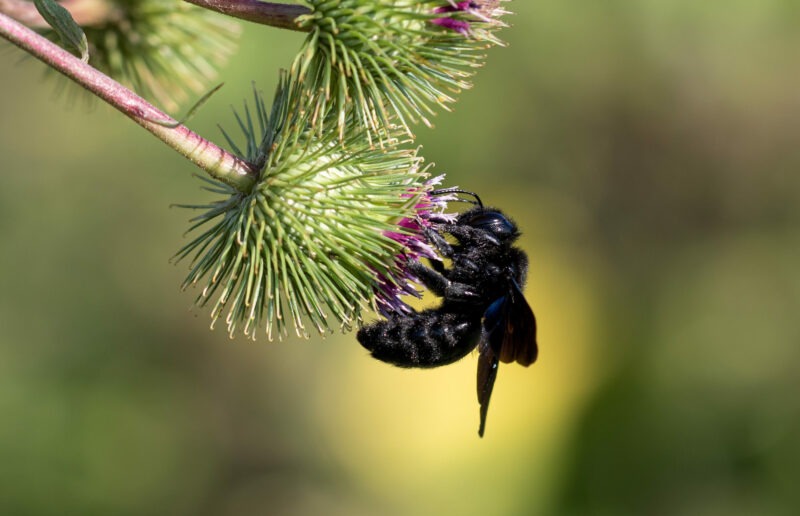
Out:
{"x": 217, "y": 162}
{"x": 275, "y": 15}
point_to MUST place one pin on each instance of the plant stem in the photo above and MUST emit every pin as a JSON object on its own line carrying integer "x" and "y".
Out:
{"x": 265, "y": 13}
{"x": 217, "y": 162}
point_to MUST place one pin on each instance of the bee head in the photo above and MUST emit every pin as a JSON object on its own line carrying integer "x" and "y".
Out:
{"x": 493, "y": 221}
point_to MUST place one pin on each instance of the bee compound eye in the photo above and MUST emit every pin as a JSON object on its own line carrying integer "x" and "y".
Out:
{"x": 493, "y": 222}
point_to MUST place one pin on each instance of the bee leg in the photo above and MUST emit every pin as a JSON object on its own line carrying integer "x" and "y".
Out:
{"x": 433, "y": 280}
{"x": 469, "y": 233}
{"x": 437, "y": 283}
{"x": 438, "y": 266}
{"x": 439, "y": 242}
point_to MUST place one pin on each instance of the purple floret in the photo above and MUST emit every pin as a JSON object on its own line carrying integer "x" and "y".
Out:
{"x": 390, "y": 289}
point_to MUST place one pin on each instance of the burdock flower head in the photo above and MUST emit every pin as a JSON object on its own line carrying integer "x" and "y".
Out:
{"x": 162, "y": 49}
{"x": 325, "y": 220}
{"x": 392, "y": 61}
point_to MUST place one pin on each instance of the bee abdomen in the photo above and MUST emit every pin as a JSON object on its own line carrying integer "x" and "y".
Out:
{"x": 430, "y": 339}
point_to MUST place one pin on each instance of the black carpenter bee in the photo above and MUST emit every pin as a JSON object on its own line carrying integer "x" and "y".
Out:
{"x": 482, "y": 303}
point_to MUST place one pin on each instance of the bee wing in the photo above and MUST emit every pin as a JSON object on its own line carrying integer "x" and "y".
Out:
{"x": 488, "y": 359}
{"x": 510, "y": 327}
{"x": 487, "y": 373}
{"x": 519, "y": 341}
{"x": 509, "y": 334}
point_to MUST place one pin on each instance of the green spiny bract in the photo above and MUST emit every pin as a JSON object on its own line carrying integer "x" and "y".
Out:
{"x": 310, "y": 239}
{"x": 162, "y": 49}
{"x": 381, "y": 62}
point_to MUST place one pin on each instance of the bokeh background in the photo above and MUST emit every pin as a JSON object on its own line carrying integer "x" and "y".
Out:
{"x": 649, "y": 150}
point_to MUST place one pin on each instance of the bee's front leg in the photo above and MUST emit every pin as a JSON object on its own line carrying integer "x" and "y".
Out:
{"x": 468, "y": 233}
{"x": 440, "y": 285}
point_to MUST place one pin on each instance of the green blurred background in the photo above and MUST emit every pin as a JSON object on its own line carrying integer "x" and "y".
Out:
{"x": 650, "y": 152}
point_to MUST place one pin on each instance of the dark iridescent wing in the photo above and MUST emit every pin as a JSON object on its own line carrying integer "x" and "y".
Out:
{"x": 487, "y": 373}
{"x": 509, "y": 335}
{"x": 518, "y": 342}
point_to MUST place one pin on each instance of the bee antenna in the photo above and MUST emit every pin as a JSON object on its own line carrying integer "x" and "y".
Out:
{"x": 455, "y": 189}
